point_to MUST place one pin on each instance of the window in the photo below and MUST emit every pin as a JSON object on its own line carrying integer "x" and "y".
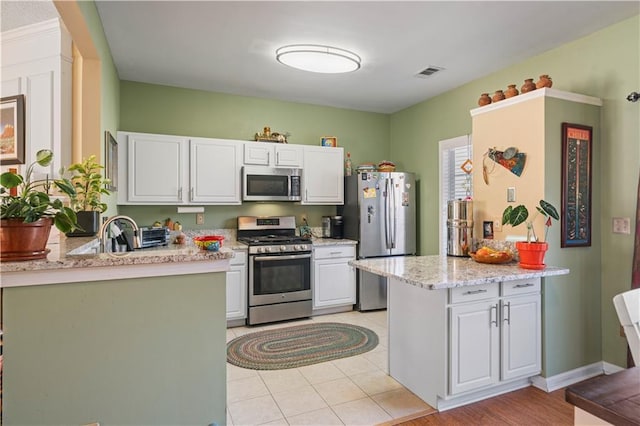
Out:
{"x": 454, "y": 182}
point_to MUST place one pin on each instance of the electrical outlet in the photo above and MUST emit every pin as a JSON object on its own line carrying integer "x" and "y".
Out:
{"x": 199, "y": 218}
{"x": 621, "y": 225}
{"x": 497, "y": 225}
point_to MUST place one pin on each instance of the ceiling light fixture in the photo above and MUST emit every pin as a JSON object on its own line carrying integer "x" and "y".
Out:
{"x": 318, "y": 58}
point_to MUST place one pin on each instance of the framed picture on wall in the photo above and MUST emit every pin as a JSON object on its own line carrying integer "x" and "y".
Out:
{"x": 576, "y": 185}
{"x": 12, "y": 141}
{"x": 111, "y": 161}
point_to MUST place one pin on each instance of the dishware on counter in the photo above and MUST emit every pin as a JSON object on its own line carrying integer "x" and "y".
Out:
{"x": 488, "y": 255}
{"x": 209, "y": 242}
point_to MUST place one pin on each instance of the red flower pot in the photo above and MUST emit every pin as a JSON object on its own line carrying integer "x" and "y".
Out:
{"x": 532, "y": 254}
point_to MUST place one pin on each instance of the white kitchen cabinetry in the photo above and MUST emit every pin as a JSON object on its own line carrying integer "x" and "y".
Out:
{"x": 237, "y": 287}
{"x": 334, "y": 281}
{"x": 214, "y": 171}
{"x": 323, "y": 175}
{"x": 162, "y": 169}
{"x": 272, "y": 154}
{"x": 495, "y": 339}
{"x": 157, "y": 169}
{"x": 467, "y": 343}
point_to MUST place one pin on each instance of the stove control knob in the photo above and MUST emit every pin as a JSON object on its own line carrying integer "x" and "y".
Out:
{"x": 267, "y": 249}
{"x": 283, "y": 248}
{"x": 259, "y": 249}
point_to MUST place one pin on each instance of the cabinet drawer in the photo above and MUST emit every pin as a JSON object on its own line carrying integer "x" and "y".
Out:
{"x": 530, "y": 285}
{"x": 474, "y": 292}
{"x": 334, "y": 252}
{"x": 239, "y": 258}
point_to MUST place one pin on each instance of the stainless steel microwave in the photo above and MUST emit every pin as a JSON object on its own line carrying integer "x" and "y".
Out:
{"x": 271, "y": 184}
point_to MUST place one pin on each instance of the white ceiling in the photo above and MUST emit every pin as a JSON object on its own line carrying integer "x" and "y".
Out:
{"x": 228, "y": 46}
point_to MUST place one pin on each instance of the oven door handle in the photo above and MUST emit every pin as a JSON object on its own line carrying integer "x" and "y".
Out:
{"x": 290, "y": 257}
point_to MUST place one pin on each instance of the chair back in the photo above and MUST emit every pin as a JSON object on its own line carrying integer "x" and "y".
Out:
{"x": 628, "y": 308}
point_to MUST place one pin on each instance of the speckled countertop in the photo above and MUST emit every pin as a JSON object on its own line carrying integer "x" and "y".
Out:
{"x": 440, "y": 272}
{"x": 79, "y": 252}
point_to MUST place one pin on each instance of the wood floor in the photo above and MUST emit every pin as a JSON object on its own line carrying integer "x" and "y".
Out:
{"x": 529, "y": 406}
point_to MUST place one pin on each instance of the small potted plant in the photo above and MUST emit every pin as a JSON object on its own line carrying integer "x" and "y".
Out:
{"x": 88, "y": 185}
{"x": 532, "y": 251}
{"x": 27, "y": 212}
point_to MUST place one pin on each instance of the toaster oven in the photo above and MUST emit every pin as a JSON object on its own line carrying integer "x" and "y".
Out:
{"x": 154, "y": 237}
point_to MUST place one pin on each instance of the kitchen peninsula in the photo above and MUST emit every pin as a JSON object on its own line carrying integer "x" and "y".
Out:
{"x": 126, "y": 338}
{"x": 461, "y": 331}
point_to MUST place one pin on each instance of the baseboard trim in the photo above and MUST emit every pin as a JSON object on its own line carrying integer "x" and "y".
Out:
{"x": 559, "y": 381}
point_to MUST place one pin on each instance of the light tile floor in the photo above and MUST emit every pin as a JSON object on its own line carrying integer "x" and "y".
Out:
{"x": 349, "y": 391}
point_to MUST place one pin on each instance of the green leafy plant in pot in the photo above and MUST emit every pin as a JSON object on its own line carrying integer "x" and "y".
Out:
{"x": 27, "y": 212}
{"x": 532, "y": 251}
{"x": 88, "y": 185}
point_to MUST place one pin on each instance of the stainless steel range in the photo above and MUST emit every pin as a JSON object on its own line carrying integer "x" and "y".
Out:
{"x": 279, "y": 268}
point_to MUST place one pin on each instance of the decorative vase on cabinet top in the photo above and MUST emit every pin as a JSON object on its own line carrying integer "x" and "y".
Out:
{"x": 498, "y": 96}
{"x": 545, "y": 81}
{"x": 528, "y": 86}
{"x": 484, "y": 99}
{"x": 511, "y": 91}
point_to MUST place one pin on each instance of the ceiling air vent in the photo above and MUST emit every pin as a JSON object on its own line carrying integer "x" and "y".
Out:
{"x": 428, "y": 72}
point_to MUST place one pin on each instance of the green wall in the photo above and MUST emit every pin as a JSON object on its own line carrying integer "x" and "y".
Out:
{"x": 110, "y": 85}
{"x": 605, "y": 64}
{"x": 169, "y": 110}
{"x": 147, "y": 351}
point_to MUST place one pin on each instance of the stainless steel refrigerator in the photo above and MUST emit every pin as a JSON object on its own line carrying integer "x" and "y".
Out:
{"x": 379, "y": 212}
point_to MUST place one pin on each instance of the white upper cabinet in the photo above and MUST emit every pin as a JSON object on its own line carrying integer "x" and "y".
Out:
{"x": 163, "y": 169}
{"x": 272, "y": 154}
{"x": 214, "y": 171}
{"x": 156, "y": 169}
{"x": 323, "y": 175}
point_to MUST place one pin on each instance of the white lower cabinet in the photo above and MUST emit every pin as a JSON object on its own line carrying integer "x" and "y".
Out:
{"x": 237, "y": 287}
{"x": 334, "y": 281}
{"x": 494, "y": 338}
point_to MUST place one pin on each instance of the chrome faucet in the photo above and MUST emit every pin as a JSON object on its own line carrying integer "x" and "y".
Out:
{"x": 109, "y": 227}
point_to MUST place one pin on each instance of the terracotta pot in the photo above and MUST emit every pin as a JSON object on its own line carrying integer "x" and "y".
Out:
{"x": 511, "y": 91}
{"x": 484, "y": 99}
{"x": 24, "y": 241}
{"x": 528, "y": 86}
{"x": 532, "y": 254}
{"x": 545, "y": 81}
{"x": 498, "y": 96}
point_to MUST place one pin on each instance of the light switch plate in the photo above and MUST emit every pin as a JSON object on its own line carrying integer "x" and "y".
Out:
{"x": 511, "y": 194}
{"x": 621, "y": 225}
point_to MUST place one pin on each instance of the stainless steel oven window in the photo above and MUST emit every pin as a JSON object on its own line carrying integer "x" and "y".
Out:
{"x": 281, "y": 274}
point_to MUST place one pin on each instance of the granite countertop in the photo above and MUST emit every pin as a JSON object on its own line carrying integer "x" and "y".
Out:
{"x": 80, "y": 252}
{"x": 332, "y": 242}
{"x": 440, "y": 272}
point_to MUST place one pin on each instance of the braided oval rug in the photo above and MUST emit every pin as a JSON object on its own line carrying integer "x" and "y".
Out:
{"x": 296, "y": 346}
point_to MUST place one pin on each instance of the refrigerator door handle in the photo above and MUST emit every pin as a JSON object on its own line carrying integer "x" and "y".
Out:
{"x": 386, "y": 215}
{"x": 392, "y": 217}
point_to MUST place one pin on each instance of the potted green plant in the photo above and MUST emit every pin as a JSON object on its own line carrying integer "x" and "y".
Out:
{"x": 532, "y": 251}
{"x": 89, "y": 186}
{"x": 27, "y": 212}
